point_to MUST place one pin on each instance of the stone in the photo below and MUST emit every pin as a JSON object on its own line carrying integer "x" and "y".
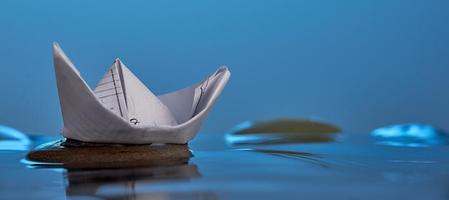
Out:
{"x": 282, "y": 131}
{"x": 74, "y": 154}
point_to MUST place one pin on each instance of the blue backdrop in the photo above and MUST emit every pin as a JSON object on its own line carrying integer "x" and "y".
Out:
{"x": 357, "y": 64}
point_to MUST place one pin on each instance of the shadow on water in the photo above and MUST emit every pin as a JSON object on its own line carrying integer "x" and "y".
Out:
{"x": 255, "y": 134}
{"x": 410, "y": 135}
{"x": 108, "y": 171}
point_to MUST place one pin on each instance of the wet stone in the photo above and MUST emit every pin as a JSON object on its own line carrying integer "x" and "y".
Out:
{"x": 282, "y": 131}
{"x": 74, "y": 154}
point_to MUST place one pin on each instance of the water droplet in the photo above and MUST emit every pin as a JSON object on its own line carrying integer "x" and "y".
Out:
{"x": 12, "y": 139}
{"x": 410, "y": 135}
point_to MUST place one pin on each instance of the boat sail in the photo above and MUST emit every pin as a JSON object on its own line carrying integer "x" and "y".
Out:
{"x": 132, "y": 101}
{"x": 110, "y": 90}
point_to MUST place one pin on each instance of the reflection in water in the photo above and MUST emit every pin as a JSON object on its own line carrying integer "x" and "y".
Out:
{"x": 122, "y": 183}
{"x": 282, "y": 131}
{"x": 410, "y": 135}
{"x": 194, "y": 195}
{"x": 303, "y": 156}
{"x": 12, "y": 139}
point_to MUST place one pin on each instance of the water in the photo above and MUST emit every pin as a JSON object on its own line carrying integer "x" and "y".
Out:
{"x": 350, "y": 167}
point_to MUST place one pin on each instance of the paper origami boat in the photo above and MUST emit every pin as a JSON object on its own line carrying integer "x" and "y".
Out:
{"x": 122, "y": 110}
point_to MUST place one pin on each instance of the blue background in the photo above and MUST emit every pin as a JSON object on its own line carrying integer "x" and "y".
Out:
{"x": 357, "y": 64}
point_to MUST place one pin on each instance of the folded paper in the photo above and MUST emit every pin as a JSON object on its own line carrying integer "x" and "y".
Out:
{"x": 121, "y": 109}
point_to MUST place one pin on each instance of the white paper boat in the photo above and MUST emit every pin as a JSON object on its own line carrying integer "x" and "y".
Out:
{"x": 122, "y": 110}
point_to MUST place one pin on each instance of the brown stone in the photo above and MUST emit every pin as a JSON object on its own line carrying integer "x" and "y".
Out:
{"x": 283, "y": 131}
{"x": 79, "y": 155}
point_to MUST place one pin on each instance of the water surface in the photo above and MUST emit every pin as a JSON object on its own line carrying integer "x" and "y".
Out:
{"x": 351, "y": 167}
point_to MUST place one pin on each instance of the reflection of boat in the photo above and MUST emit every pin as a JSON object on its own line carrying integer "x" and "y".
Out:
{"x": 121, "y": 183}
{"x": 121, "y": 109}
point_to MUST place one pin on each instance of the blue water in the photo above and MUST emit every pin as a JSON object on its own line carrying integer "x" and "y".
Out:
{"x": 349, "y": 168}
